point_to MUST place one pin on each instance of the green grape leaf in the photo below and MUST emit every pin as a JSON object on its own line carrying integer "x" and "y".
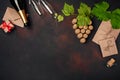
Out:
{"x": 100, "y": 11}
{"x": 115, "y": 19}
{"x": 60, "y": 18}
{"x": 102, "y": 6}
{"x": 84, "y": 9}
{"x": 68, "y": 9}
{"x": 83, "y": 20}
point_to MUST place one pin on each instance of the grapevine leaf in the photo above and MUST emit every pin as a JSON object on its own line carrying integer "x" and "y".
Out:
{"x": 60, "y": 18}
{"x": 84, "y": 9}
{"x": 100, "y": 11}
{"x": 115, "y": 19}
{"x": 102, "y": 6}
{"x": 68, "y": 9}
{"x": 83, "y": 20}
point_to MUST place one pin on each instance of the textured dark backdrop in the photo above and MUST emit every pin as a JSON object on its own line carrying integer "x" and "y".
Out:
{"x": 49, "y": 51}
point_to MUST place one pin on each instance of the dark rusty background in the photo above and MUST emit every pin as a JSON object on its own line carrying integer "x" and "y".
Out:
{"x": 47, "y": 50}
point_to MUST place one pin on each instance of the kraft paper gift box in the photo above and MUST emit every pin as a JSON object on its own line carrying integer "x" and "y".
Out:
{"x": 7, "y": 26}
{"x": 12, "y": 15}
{"x": 104, "y": 34}
{"x": 105, "y": 31}
{"x": 108, "y": 47}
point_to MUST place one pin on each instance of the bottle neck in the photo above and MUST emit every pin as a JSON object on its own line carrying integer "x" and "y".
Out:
{"x": 18, "y": 4}
{"x": 23, "y": 16}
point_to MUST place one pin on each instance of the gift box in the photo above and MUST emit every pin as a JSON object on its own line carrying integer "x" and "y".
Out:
{"x": 12, "y": 15}
{"x": 106, "y": 37}
{"x": 7, "y": 26}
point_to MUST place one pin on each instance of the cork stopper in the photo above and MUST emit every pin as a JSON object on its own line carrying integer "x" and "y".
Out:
{"x": 111, "y": 62}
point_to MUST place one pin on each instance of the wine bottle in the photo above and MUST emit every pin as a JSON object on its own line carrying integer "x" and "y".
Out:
{"x": 19, "y": 6}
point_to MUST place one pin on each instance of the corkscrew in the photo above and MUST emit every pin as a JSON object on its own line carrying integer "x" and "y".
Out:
{"x": 35, "y": 6}
{"x": 39, "y": 5}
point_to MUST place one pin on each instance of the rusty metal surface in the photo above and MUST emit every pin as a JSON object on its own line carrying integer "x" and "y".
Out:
{"x": 49, "y": 51}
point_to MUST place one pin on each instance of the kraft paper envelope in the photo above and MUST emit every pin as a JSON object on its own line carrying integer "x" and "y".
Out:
{"x": 105, "y": 31}
{"x": 12, "y": 15}
{"x": 114, "y": 33}
{"x": 108, "y": 47}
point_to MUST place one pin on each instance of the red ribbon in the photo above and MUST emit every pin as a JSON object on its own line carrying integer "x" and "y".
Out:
{"x": 5, "y": 25}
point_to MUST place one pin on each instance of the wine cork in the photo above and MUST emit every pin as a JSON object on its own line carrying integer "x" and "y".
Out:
{"x": 90, "y": 23}
{"x": 82, "y": 30}
{"x": 85, "y": 35}
{"x": 80, "y": 27}
{"x": 77, "y": 31}
{"x": 85, "y": 27}
{"x": 91, "y": 27}
{"x": 88, "y": 31}
{"x": 75, "y": 26}
{"x": 111, "y": 62}
{"x": 79, "y": 35}
{"x": 82, "y": 40}
{"x": 74, "y": 21}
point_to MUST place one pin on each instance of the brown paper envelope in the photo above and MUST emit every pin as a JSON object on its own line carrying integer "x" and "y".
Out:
{"x": 114, "y": 33}
{"x": 99, "y": 37}
{"x": 12, "y": 15}
{"x": 108, "y": 47}
{"x": 105, "y": 31}
{"x": 105, "y": 26}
